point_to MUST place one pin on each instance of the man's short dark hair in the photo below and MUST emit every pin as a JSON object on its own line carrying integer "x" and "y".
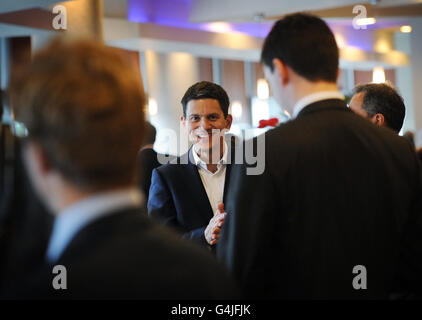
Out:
{"x": 306, "y": 44}
{"x": 207, "y": 90}
{"x": 383, "y": 98}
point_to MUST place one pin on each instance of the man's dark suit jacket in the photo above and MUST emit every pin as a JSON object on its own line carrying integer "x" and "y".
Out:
{"x": 25, "y": 224}
{"x": 125, "y": 255}
{"x": 337, "y": 192}
{"x": 178, "y": 198}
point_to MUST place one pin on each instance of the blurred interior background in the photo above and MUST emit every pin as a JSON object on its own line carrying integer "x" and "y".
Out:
{"x": 175, "y": 43}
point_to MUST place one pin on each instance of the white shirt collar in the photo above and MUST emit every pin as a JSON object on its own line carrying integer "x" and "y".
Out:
{"x": 199, "y": 162}
{"x": 314, "y": 97}
{"x": 73, "y": 218}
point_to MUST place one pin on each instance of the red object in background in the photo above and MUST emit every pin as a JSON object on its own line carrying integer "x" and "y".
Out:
{"x": 273, "y": 122}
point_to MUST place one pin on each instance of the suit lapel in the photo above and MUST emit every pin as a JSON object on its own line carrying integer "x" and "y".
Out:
{"x": 323, "y": 105}
{"x": 226, "y": 181}
{"x": 232, "y": 145}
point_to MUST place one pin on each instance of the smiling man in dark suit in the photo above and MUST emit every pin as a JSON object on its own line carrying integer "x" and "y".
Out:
{"x": 337, "y": 212}
{"x": 190, "y": 195}
{"x": 81, "y": 105}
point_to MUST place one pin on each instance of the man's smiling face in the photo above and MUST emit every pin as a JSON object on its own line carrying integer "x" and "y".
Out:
{"x": 205, "y": 122}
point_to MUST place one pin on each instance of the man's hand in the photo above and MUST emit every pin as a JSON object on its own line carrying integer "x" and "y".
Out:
{"x": 212, "y": 231}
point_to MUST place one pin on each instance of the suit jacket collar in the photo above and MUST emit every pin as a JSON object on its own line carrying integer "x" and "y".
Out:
{"x": 315, "y": 97}
{"x": 322, "y": 106}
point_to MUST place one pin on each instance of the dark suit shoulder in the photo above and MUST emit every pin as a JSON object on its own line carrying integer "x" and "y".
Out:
{"x": 127, "y": 255}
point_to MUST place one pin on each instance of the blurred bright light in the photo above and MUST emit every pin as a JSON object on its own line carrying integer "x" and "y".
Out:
{"x": 152, "y": 107}
{"x": 341, "y": 43}
{"x": 378, "y": 75}
{"x": 365, "y": 21}
{"x": 263, "y": 90}
{"x": 221, "y": 27}
{"x": 406, "y": 29}
{"x": 260, "y": 111}
{"x": 236, "y": 109}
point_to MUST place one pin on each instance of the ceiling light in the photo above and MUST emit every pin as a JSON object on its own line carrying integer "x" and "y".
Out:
{"x": 378, "y": 75}
{"x": 263, "y": 90}
{"x": 152, "y": 107}
{"x": 341, "y": 43}
{"x": 406, "y": 29}
{"x": 236, "y": 109}
{"x": 219, "y": 27}
{"x": 365, "y": 21}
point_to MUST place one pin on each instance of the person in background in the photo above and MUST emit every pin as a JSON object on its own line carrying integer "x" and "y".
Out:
{"x": 410, "y": 136}
{"x": 25, "y": 224}
{"x": 380, "y": 103}
{"x": 80, "y": 103}
{"x": 336, "y": 214}
{"x": 147, "y": 159}
{"x": 419, "y": 153}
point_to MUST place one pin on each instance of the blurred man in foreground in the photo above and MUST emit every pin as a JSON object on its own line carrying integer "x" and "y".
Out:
{"x": 81, "y": 105}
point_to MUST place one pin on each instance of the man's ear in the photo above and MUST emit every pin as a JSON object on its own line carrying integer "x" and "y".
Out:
{"x": 229, "y": 120}
{"x": 36, "y": 158}
{"x": 281, "y": 70}
{"x": 379, "y": 119}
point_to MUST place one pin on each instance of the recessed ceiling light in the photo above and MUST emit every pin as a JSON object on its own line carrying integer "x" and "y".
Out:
{"x": 365, "y": 21}
{"x": 406, "y": 29}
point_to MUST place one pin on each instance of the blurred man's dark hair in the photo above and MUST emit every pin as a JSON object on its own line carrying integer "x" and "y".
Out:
{"x": 383, "y": 98}
{"x": 293, "y": 38}
{"x": 90, "y": 135}
{"x": 207, "y": 90}
{"x": 150, "y": 133}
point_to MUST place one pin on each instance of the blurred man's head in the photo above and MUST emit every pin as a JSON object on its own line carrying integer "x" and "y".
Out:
{"x": 299, "y": 51}
{"x": 82, "y": 105}
{"x": 380, "y": 103}
{"x": 205, "y": 114}
{"x": 150, "y": 134}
